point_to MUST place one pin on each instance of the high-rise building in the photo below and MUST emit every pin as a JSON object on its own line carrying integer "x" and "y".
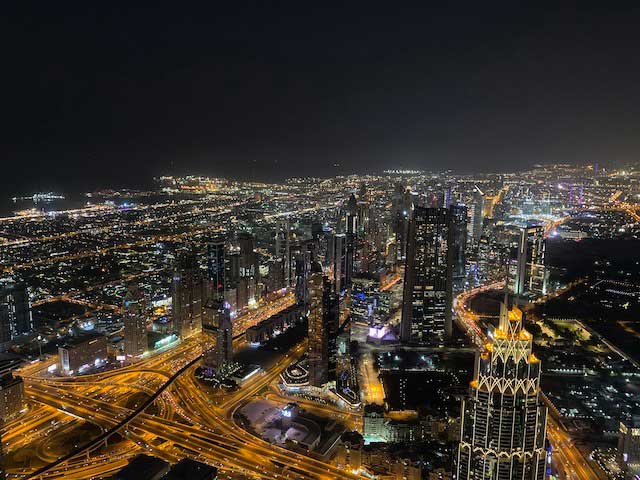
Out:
{"x": 531, "y": 276}
{"x": 459, "y": 244}
{"x": 15, "y": 312}
{"x": 339, "y": 262}
{"x": 249, "y": 267}
{"x": 477, "y": 215}
{"x": 216, "y": 269}
{"x": 427, "y": 298}
{"x": 187, "y": 296}
{"x": 283, "y": 247}
{"x": 217, "y": 321}
{"x": 324, "y": 314}
{"x": 350, "y": 252}
{"x": 135, "y": 322}
{"x": 318, "y": 341}
{"x": 504, "y": 422}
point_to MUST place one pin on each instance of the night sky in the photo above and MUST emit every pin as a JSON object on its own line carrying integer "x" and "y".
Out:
{"x": 107, "y": 96}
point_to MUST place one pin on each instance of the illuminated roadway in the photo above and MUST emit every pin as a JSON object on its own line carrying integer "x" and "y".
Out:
{"x": 210, "y": 434}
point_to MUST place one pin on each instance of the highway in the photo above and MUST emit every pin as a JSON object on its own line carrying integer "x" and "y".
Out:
{"x": 186, "y": 421}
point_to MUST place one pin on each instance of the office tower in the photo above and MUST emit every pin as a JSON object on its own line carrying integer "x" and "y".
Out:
{"x": 339, "y": 262}
{"x": 531, "y": 275}
{"x": 427, "y": 298}
{"x": 318, "y": 342}
{"x": 303, "y": 269}
{"x": 249, "y": 269}
{"x": 401, "y": 208}
{"x": 283, "y": 246}
{"x": 15, "y": 312}
{"x": 216, "y": 269}
{"x": 503, "y": 420}
{"x": 459, "y": 244}
{"x": 351, "y": 239}
{"x": 135, "y": 323}
{"x": 323, "y": 329}
{"x": 187, "y": 296}
{"x": 217, "y": 321}
{"x": 477, "y": 215}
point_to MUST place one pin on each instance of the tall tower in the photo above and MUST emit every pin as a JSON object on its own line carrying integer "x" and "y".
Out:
{"x": 531, "y": 276}
{"x": 15, "y": 311}
{"x": 503, "y": 421}
{"x": 318, "y": 351}
{"x": 216, "y": 269}
{"x": 217, "y": 321}
{"x": 458, "y": 244}
{"x": 477, "y": 216}
{"x": 187, "y": 290}
{"x": 428, "y": 296}
{"x": 339, "y": 262}
{"x": 283, "y": 247}
{"x": 135, "y": 323}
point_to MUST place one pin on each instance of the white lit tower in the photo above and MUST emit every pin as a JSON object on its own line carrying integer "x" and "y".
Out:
{"x": 503, "y": 431}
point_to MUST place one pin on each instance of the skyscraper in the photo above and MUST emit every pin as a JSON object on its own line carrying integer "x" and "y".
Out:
{"x": 135, "y": 323}
{"x": 427, "y": 298}
{"x": 187, "y": 296}
{"x": 217, "y": 321}
{"x": 339, "y": 262}
{"x": 216, "y": 269}
{"x": 15, "y": 312}
{"x": 458, "y": 244}
{"x": 318, "y": 351}
{"x": 503, "y": 421}
{"x": 531, "y": 275}
{"x": 283, "y": 246}
{"x": 249, "y": 268}
{"x": 324, "y": 314}
{"x": 477, "y": 217}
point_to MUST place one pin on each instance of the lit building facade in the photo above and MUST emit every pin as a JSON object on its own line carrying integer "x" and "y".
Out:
{"x": 15, "y": 312}
{"x": 531, "y": 275}
{"x": 135, "y": 323}
{"x": 428, "y": 295}
{"x": 503, "y": 431}
{"x": 187, "y": 297}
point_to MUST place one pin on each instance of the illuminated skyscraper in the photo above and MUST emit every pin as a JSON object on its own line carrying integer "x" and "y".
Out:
{"x": 427, "y": 300}
{"x": 318, "y": 351}
{"x": 458, "y": 244}
{"x": 477, "y": 215}
{"x": 339, "y": 262}
{"x": 187, "y": 296}
{"x": 504, "y": 423}
{"x": 15, "y": 312}
{"x": 283, "y": 248}
{"x": 249, "y": 268}
{"x": 531, "y": 275}
{"x": 217, "y": 322}
{"x": 216, "y": 269}
{"x": 324, "y": 313}
{"x": 135, "y": 323}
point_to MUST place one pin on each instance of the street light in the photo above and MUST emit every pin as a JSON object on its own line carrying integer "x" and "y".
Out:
{"x": 40, "y": 346}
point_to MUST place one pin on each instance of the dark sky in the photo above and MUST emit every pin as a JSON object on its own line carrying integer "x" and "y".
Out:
{"x": 98, "y": 96}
